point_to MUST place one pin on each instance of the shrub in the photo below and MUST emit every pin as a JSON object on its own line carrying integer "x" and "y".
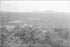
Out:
{"x": 34, "y": 36}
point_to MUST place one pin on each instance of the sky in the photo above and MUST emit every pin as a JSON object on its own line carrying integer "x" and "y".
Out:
{"x": 34, "y": 6}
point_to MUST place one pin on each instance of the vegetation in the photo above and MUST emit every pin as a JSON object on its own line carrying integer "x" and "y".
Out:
{"x": 33, "y": 36}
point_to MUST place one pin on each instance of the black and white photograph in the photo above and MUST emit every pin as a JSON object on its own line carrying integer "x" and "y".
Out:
{"x": 34, "y": 23}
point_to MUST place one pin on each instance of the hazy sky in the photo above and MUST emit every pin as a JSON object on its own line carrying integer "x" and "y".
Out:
{"x": 29, "y": 6}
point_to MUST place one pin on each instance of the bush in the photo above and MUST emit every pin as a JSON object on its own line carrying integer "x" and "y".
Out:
{"x": 33, "y": 36}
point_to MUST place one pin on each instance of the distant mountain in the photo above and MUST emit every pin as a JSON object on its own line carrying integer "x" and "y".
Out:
{"x": 48, "y": 18}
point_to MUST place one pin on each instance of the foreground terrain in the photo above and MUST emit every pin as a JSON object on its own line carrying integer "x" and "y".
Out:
{"x": 33, "y": 36}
